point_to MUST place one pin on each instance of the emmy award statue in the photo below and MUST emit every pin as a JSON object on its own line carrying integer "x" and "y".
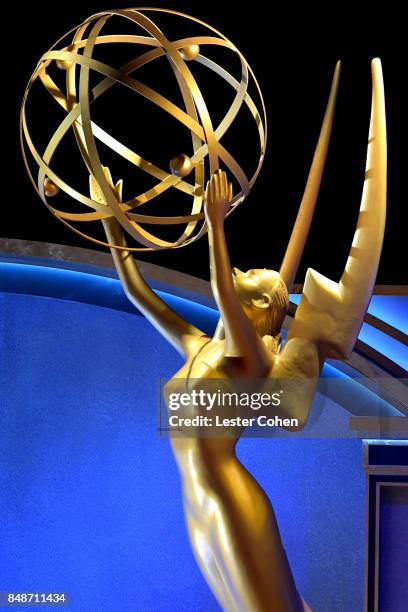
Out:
{"x": 230, "y": 520}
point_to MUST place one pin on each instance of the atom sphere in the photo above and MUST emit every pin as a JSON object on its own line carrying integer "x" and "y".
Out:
{"x": 76, "y": 53}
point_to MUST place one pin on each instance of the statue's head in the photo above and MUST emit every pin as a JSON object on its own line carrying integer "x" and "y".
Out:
{"x": 264, "y": 298}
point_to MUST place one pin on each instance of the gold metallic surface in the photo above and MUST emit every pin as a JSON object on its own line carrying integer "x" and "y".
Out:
{"x": 181, "y": 165}
{"x": 231, "y": 522}
{"x": 77, "y": 59}
{"x": 63, "y": 64}
{"x": 304, "y": 217}
{"x": 50, "y": 188}
{"x": 190, "y": 52}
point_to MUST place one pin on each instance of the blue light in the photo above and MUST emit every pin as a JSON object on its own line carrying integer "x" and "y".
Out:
{"x": 103, "y": 291}
{"x": 384, "y": 344}
{"x": 91, "y": 289}
{"x": 90, "y": 495}
{"x": 91, "y": 499}
{"x": 393, "y": 309}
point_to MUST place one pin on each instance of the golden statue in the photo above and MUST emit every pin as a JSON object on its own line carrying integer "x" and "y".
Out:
{"x": 231, "y": 522}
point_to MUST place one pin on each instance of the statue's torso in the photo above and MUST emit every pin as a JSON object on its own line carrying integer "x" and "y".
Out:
{"x": 298, "y": 361}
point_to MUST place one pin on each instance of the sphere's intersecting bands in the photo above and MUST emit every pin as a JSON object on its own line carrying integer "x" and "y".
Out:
{"x": 74, "y": 54}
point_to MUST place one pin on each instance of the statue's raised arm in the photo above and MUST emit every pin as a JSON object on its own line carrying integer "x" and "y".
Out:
{"x": 175, "y": 329}
{"x": 243, "y": 346}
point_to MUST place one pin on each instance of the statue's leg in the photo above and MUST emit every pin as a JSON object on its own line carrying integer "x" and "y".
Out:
{"x": 202, "y": 548}
{"x": 235, "y": 536}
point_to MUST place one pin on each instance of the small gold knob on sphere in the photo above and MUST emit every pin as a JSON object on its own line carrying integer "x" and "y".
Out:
{"x": 181, "y": 165}
{"x": 190, "y": 52}
{"x": 50, "y": 188}
{"x": 64, "y": 64}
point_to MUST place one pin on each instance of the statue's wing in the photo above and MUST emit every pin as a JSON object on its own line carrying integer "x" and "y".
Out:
{"x": 330, "y": 314}
{"x": 307, "y": 206}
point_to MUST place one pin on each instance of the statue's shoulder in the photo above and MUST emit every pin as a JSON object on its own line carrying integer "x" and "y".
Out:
{"x": 203, "y": 358}
{"x": 194, "y": 344}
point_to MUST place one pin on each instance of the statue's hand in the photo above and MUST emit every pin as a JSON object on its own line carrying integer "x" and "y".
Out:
{"x": 95, "y": 191}
{"x": 217, "y": 197}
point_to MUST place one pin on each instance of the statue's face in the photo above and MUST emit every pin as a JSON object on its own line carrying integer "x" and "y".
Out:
{"x": 260, "y": 291}
{"x": 252, "y": 284}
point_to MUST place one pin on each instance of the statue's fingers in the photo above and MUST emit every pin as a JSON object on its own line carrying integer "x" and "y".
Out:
{"x": 214, "y": 192}
{"x": 224, "y": 185}
{"x": 227, "y": 188}
{"x": 210, "y": 191}
{"x": 222, "y": 179}
{"x": 217, "y": 186}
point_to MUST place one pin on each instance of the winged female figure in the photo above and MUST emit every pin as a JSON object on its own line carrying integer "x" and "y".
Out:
{"x": 231, "y": 522}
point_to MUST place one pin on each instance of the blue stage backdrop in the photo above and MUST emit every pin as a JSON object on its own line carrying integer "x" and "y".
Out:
{"x": 90, "y": 496}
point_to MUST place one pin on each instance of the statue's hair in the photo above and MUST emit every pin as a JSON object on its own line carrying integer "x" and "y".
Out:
{"x": 278, "y": 307}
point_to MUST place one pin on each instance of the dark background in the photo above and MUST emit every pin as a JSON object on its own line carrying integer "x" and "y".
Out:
{"x": 292, "y": 52}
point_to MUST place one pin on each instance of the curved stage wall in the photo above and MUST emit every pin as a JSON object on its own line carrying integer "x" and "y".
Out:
{"x": 90, "y": 493}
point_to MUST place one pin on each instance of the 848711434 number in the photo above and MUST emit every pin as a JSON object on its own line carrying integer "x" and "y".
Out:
{"x": 32, "y": 598}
